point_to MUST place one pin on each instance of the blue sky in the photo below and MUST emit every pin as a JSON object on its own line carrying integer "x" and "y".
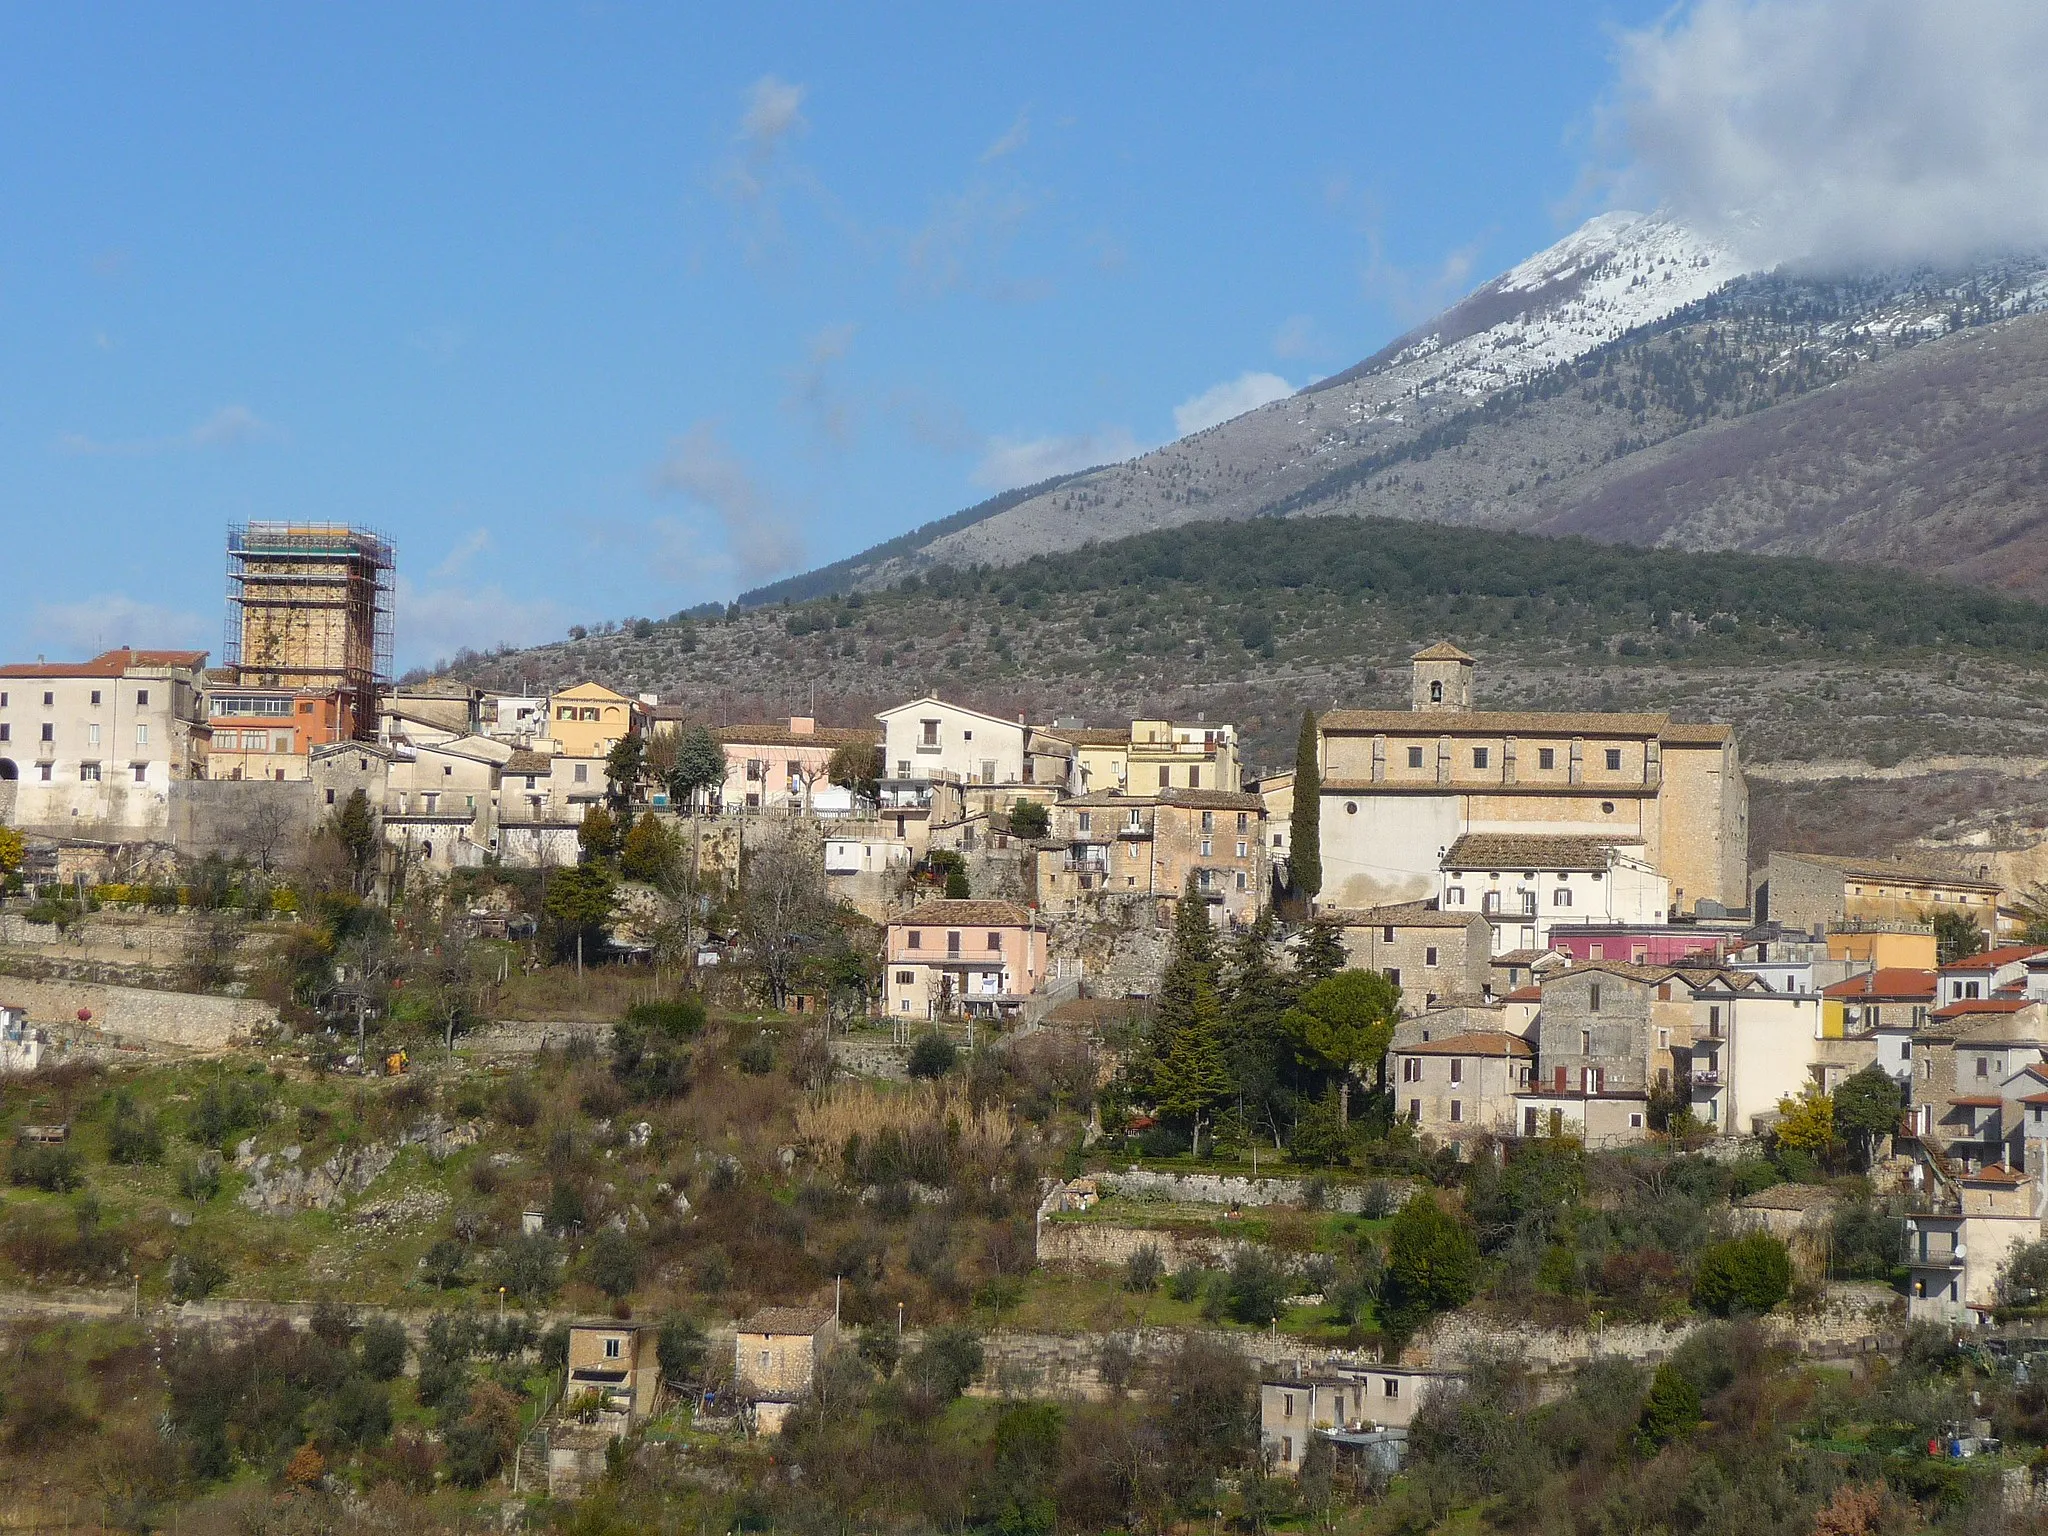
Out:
{"x": 606, "y": 310}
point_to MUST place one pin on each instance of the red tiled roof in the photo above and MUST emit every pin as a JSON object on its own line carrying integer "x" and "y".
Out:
{"x": 1529, "y": 994}
{"x": 966, "y": 914}
{"x": 1977, "y": 1101}
{"x": 2035, "y": 1098}
{"x": 1992, "y": 959}
{"x": 106, "y": 664}
{"x": 1980, "y": 1005}
{"x": 1891, "y": 984}
{"x": 1993, "y": 1173}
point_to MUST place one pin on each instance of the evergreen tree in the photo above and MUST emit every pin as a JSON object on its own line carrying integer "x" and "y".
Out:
{"x": 1194, "y": 1077}
{"x": 1184, "y": 1070}
{"x": 1318, "y": 954}
{"x": 1255, "y": 994}
{"x": 1305, "y": 857}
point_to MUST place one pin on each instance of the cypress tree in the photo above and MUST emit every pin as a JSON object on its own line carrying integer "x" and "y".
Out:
{"x": 1305, "y": 859}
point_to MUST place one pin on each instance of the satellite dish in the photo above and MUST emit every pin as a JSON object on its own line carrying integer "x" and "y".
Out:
{"x": 1962, "y": 1252}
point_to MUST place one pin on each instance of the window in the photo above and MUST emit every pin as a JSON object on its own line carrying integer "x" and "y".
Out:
{"x": 49, "y": 731}
{"x": 1983, "y": 1067}
{"x": 1387, "y": 934}
{"x": 49, "y": 699}
{"x": 1479, "y": 756}
{"x": 330, "y": 797}
{"x": 611, "y": 1348}
{"x": 1244, "y": 821}
{"x": 1137, "y": 821}
{"x": 141, "y": 772}
{"x": 995, "y": 941}
{"x": 905, "y": 978}
{"x": 1585, "y": 1042}
{"x": 1165, "y": 777}
{"x": 1286, "y": 1405}
{"x": 1714, "y": 1019}
{"x": 1244, "y": 848}
{"x": 582, "y": 773}
{"x": 95, "y": 698}
{"x": 1394, "y": 974}
{"x": 1411, "y": 1069}
{"x": 1243, "y": 884}
{"x": 1663, "y": 1039}
{"x": 930, "y": 738}
{"x": 6, "y": 731}
{"x": 1194, "y": 778}
{"x": 1528, "y": 901}
{"x": 1593, "y": 998}
{"x": 142, "y": 698}
{"x": 952, "y": 943}
{"x": 1436, "y": 693}
{"x": 1415, "y": 757}
{"x": 916, "y": 940}
{"x": 89, "y": 773}
{"x": 1085, "y": 821}
{"x": 1455, "y": 896}
{"x": 1546, "y": 757}
{"x": 1415, "y": 1109}
{"x": 1208, "y": 821}
{"x": 142, "y": 733}
{"x": 1429, "y": 955}
{"x": 43, "y": 772}
{"x": 1489, "y": 901}
{"x": 1457, "y": 1070}
{"x": 1392, "y": 1387}
{"x": 1561, "y": 897}
{"x": 1207, "y": 847}
{"x": 1457, "y": 1111}
{"x": 1614, "y": 759}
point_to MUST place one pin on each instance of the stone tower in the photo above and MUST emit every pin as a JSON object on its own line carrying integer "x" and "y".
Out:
{"x": 1443, "y": 679}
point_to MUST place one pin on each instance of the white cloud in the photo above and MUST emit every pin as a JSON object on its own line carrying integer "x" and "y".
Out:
{"x": 99, "y": 623}
{"x": 1009, "y": 462}
{"x": 815, "y": 396}
{"x": 758, "y": 531}
{"x": 1233, "y": 397}
{"x": 774, "y": 112}
{"x": 435, "y": 621}
{"x": 1014, "y": 138}
{"x": 232, "y": 426}
{"x": 1841, "y": 130}
{"x": 474, "y": 543}
{"x": 963, "y": 244}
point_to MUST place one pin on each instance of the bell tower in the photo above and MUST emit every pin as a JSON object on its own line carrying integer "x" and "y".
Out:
{"x": 1443, "y": 680}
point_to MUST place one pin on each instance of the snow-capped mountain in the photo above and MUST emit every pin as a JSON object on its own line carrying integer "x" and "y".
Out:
{"x": 1601, "y": 387}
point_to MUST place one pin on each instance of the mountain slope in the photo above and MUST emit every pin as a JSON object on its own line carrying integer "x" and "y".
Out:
{"x": 1607, "y": 386}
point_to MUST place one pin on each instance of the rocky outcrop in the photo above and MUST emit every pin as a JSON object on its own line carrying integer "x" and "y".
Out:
{"x": 279, "y": 1185}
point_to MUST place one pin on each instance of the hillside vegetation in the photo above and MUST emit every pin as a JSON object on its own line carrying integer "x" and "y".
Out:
{"x": 1250, "y": 622}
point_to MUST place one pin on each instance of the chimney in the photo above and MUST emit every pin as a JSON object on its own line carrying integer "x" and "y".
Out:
{"x": 802, "y": 725}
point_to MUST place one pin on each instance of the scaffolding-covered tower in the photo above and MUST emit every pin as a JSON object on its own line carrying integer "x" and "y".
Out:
{"x": 309, "y": 608}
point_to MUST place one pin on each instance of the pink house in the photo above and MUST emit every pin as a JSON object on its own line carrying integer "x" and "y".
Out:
{"x": 1646, "y": 944}
{"x": 975, "y": 958}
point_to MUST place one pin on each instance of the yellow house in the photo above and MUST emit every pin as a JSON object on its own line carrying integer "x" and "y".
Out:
{"x": 589, "y": 719}
{"x": 1151, "y": 754}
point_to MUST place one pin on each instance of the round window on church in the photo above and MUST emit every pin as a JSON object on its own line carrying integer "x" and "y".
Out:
{"x": 1607, "y": 807}
{"x": 1351, "y": 807}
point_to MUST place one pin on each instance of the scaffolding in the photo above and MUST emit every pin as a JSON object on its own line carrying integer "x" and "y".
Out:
{"x": 310, "y": 609}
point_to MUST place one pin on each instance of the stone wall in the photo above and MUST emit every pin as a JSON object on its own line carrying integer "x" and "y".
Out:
{"x": 255, "y": 818}
{"x": 1237, "y": 1189}
{"x": 1080, "y": 1245}
{"x": 135, "y": 1015}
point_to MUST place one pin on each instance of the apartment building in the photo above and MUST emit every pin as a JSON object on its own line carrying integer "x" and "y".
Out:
{"x": 1150, "y": 755}
{"x": 1399, "y": 788}
{"x": 1462, "y": 1085}
{"x": 91, "y": 749}
{"x": 257, "y": 733}
{"x": 946, "y": 959}
{"x": 1431, "y": 955}
{"x": 1151, "y": 844}
{"x": 786, "y": 764}
{"x": 588, "y": 720}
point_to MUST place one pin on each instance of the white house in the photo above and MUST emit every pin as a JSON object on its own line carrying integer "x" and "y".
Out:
{"x": 1749, "y": 1050}
{"x": 1523, "y": 885}
{"x": 21, "y": 1047}
{"x": 929, "y": 739}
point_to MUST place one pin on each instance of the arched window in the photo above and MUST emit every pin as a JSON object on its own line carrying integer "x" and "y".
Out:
{"x": 1436, "y": 693}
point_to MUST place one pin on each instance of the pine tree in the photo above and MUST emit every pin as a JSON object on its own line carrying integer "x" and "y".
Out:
{"x": 1255, "y": 995}
{"x": 1184, "y": 1069}
{"x": 1193, "y": 1076}
{"x": 1318, "y": 955}
{"x": 1305, "y": 856}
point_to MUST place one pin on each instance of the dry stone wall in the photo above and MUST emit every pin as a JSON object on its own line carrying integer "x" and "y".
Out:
{"x": 140, "y": 1016}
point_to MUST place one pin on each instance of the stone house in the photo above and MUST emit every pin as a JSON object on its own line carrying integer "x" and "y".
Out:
{"x": 1400, "y": 787}
{"x": 617, "y": 1362}
{"x": 441, "y": 802}
{"x": 775, "y": 1355}
{"x": 1461, "y": 1085}
{"x": 1148, "y": 845}
{"x": 975, "y": 958}
{"x": 1988, "y": 973}
{"x": 1818, "y": 891}
{"x": 1149, "y": 755}
{"x": 1968, "y": 1066}
{"x": 91, "y": 749}
{"x": 1432, "y": 956}
{"x": 1524, "y": 886}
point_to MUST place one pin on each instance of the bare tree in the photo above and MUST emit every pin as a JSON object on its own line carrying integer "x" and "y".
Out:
{"x": 269, "y": 832}
{"x": 785, "y": 915}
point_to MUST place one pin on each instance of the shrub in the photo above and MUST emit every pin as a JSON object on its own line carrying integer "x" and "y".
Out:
{"x": 932, "y": 1056}
{"x": 1673, "y": 1407}
{"x": 444, "y": 1263}
{"x": 649, "y": 1062}
{"x": 945, "y": 1365}
{"x": 52, "y": 1169}
{"x": 1752, "y": 1273}
{"x": 1143, "y": 1269}
{"x": 132, "y": 1136}
{"x": 380, "y": 1348}
{"x": 1256, "y": 1289}
{"x": 1432, "y": 1263}
{"x": 681, "y": 1018}
{"x": 681, "y": 1349}
{"x": 359, "y": 1413}
{"x": 528, "y": 1268}
{"x": 1030, "y": 819}
{"x": 757, "y": 1056}
{"x": 199, "y": 1180}
{"x": 614, "y": 1264}
{"x": 197, "y": 1271}
{"x": 518, "y": 1105}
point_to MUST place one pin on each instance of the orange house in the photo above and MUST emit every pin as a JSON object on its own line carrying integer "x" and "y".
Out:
{"x": 975, "y": 958}
{"x": 270, "y": 733}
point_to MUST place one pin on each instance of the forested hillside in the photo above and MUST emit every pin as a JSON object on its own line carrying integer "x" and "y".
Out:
{"x": 1252, "y": 621}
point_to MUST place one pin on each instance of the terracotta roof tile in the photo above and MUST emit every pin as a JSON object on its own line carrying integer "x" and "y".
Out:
{"x": 1499, "y": 1043}
{"x": 966, "y": 914}
{"x": 1890, "y": 984}
{"x": 787, "y": 1320}
{"x": 1407, "y": 914}
{"x": 1514, "y": 850}
{"x": 1994, "y": 959}
{"x": 1923, "y": 871}
{"x": 1478, "y": 722}
{"x": 106, "y": 664}
{"x": 1443, "y": 650}
{"x": 778, "y": 734}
